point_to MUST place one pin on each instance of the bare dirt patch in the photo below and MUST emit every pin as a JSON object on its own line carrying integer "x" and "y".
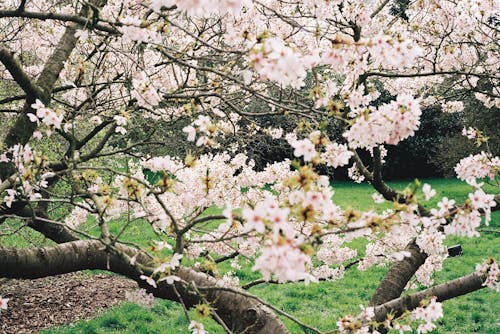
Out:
{"x": 52, "y": 301}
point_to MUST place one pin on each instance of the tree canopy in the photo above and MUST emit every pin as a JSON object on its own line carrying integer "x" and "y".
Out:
{"x": 147, "y": 110}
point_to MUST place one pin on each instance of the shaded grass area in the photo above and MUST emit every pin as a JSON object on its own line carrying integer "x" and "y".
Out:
{"x": 320, "y": 305}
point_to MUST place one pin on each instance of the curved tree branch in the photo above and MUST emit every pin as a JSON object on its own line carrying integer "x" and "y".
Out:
{"x": 80, "y": 19}
{"x": 445, "y": 291}
{"x": 16, "y": 71}
{"x": 240, "y": 313}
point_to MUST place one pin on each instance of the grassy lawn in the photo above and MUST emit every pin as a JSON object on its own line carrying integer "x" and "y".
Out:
{"x": 322, "y": 304}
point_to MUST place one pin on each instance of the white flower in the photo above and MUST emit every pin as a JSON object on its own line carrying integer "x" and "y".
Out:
{"x": 171, "y": 279}
{"x": 377, "y": 198}
{"x": 37, "y": 134}
{"x": 33, "y": 118}
{"x": 175, "y": 261}
{"x": 247, "y": 76}
{"x": 336, "y": 155}
{"x": 428, "y": 191}
{"x": 149, "y": 280}
{"x": 37, "y": 105}
{"x": 191, "y": 132}
{"x": 96, "y": 120}
{"x": 3, "y": 303}
{"x": 197, "y": 328}
{"x": 304, "y": 148}
{"x": 162, "y": 245}
{"x": 120, "y": 120}
{"x": 121, "y": 129}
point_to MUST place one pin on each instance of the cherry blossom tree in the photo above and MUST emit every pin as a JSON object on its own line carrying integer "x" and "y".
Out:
{"x": 78, "y": 76}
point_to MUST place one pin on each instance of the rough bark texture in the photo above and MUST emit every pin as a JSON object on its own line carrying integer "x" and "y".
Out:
{"x": 17, "y": 73}
{"x": 394, "y": 282}
{"x": 241, "y": 314}
{"x": 445, "y": 291}
{"x": 55, "y": 232}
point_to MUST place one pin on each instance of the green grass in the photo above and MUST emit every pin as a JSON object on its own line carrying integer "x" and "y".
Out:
{"x": 321, "y": 304}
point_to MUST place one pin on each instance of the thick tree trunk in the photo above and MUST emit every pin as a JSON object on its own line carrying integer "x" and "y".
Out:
{"x": 240, "y": 314}
{"x": 393, "y": 283}
{"x": 395, "y": 280}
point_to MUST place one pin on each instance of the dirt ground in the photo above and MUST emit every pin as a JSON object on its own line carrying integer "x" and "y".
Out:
{"x": 42, "y": 303}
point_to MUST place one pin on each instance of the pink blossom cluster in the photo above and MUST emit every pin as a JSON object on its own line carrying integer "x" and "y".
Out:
{"x": 146, "y": 94}
{"x": 358, "y": 324}
{"x": 464, "y": 223}
{"x": 428, "y": 191}
{"x": 229, "y": 280}
{"x": 49, "y": 117}
{"x": 121, "y": 122}
{"x": 430, "y": 240}
{"x": 332, "y": 253}
{"x": 210, "y": 180}
{"x": 424, "y": 315}
{"x": 490, "y": 269}
{"x": 445, "y": 205}
{"x": 276, "y": 61}
{"x": 285, "y": 261}
{"x": 30, "y": 177}
{"x": 304, "y": 148}
{"x": 325, "y": 272}
{"x": 133, "y": 31}
{"x": 478, "y": 166}
{"x": 268, "y": 213}
{"x": 354, "y": 174}
{"x": 487, "y": 100}
{"x": 389, "y": 123}
{"x": 453, "y": 106}
{"x": 482, "y": 202}
{"x": 391, "y": 52}
{"x": 203, "y": 124}
{"x": 388, "y": 248}
{"x": 209, "y": 128}
{"x": 21, "y": 156}
{"x": 470, "y": 132}
{"x": 432, "y": 264}
{"x": 336, "y": 155}
{"x": 77, "y": 216}
{"x": 165, "y": 163}
{"x": 202, "y": 8}
{"x": 197, "y": 327}
{"x": 274, "y": 133}
{"x": 427, "y": 314}
{"x": 141, "y": 298}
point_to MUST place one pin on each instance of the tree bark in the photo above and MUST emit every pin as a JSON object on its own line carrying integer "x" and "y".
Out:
{"x": 55, "y": 232}
{"x": 240, "y": 314}
{"x": 394, "y": 282}
{"x": 445, "y": 291}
